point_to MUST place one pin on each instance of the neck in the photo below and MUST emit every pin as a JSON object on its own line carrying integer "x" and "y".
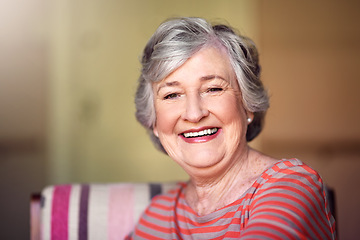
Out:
{"x": 206, "y": 195}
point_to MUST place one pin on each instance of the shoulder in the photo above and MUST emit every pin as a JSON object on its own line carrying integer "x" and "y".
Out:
{"x": 158, "y": 215}
{"x": 166, "y": 201}
{"x": 292, "y": 191}
{"x": 171, "y": 193}
{"x": 292, "y": 185}
{"x": 291, "y": 176}
{"x": 290, "y": 168}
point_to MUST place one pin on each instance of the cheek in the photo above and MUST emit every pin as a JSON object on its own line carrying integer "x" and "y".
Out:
{"x": 232, "y": 112}
{"x": 165, "y": 119}
{"x": 229, "y": 109}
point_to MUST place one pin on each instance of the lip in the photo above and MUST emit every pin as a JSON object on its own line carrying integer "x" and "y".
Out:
{"x": 199, "y": 139}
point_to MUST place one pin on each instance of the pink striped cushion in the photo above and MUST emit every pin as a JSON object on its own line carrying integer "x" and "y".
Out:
{"x": 94, "y": 211}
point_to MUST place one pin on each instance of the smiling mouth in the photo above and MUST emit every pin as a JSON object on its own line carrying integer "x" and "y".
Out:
{"x": 206, "y": 132}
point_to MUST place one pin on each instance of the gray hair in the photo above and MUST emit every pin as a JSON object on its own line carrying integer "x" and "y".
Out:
{"x": 174, "y": 42}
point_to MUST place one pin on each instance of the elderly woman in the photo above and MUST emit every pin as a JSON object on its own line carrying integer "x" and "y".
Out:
{"x": 202, "y": 100}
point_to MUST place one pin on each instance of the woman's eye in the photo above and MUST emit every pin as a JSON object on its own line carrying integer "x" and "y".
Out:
{"x": 215, "y": 89}
{"x": 171, "y": 96}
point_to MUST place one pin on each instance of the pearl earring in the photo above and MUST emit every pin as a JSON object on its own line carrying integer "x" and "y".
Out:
{"x": 249, "y": 120}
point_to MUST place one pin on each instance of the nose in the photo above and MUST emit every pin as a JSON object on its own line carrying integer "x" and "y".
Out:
{"x": 195, "y": 109}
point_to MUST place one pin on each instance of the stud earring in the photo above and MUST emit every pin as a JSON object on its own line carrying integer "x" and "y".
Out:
{"x": 249, "y": 120}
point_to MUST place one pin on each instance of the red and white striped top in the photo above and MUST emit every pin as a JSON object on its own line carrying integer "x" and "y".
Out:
{"x": 287, "y": 201}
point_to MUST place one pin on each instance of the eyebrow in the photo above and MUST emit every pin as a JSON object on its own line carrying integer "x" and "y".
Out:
{"x": 210, "y": 77}
{"x": 176, "y": 83}
{"x": 167, "y": 84}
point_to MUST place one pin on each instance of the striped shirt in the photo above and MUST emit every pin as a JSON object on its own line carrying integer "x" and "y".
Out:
{"x": 287, "y": 201}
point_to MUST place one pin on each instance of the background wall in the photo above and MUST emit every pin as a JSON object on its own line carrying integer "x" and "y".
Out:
{"x": 310, "y": 58}
{"x": 68, "y": 77}
{"x": 24, "y": 68}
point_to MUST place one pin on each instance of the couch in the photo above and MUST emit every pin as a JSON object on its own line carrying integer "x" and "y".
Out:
{"x": 90, "y": 211}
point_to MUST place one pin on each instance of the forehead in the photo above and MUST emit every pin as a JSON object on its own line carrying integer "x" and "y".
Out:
{"x": 204, "y": 65}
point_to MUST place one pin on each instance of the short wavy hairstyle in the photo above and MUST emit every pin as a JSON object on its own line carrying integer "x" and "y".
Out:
{"x": 177, "y": 40}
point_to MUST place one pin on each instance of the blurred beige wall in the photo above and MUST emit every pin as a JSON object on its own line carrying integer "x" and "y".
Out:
{"x": 310, "y": 58}
{"x": 96, "y": 47}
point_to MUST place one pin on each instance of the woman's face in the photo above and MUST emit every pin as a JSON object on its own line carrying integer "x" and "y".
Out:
{"x": 200, "y": 120}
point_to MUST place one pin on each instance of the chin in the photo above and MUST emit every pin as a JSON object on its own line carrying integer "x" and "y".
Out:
{"x": 203, "y": 159}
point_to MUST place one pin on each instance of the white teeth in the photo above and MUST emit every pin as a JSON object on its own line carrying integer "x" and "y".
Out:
{"x": 201, "y": 133}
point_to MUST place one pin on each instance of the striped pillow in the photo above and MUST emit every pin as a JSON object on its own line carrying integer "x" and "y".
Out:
{"x": 94, "y": 211}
